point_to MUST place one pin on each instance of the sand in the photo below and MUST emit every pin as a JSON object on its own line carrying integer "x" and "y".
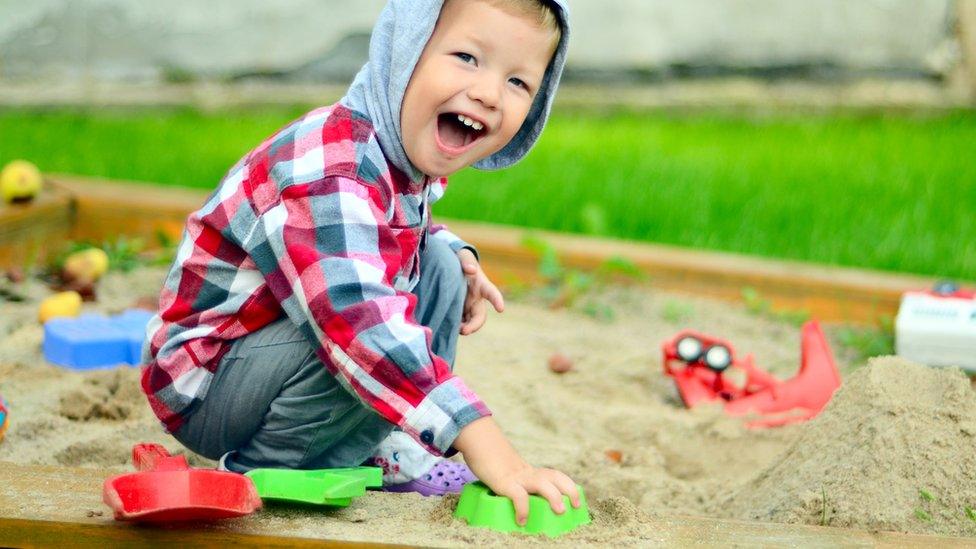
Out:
{"x": 893, "y": 451}
{"x": 896, "y": 447}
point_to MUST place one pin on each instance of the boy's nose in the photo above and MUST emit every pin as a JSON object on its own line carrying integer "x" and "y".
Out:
{"x": 485, "y": 91}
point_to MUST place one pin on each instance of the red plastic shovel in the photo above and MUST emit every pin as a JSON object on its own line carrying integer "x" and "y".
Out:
{"x": 166, "y": 489}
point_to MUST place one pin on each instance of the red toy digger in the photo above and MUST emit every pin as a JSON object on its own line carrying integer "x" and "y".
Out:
{"x": 698, "y": 362}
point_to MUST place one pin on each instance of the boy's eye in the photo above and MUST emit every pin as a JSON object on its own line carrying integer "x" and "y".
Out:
{"x": 466, "y": 58}
{"x": 520, "y": 83}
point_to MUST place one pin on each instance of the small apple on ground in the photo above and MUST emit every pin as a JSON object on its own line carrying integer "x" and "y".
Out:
{"x": 85, "y": 266}
{"x": 20, "y": 181}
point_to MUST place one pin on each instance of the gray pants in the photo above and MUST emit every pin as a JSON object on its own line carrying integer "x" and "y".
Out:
{"x": 272, "y": 402}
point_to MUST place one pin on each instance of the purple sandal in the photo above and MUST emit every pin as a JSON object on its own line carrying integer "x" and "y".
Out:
{"x": 445, "y": 477}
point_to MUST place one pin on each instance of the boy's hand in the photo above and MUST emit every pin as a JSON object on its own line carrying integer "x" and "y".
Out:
{"x": 548, "y": 483}
{"x": 479, "y": 289}
{"x": 490, "y": 456}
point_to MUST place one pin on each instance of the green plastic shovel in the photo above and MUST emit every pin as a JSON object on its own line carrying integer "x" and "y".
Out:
{"x": 333, "y": 487}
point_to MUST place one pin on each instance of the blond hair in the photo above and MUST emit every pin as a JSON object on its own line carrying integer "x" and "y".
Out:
{"x": 540, "y": 11}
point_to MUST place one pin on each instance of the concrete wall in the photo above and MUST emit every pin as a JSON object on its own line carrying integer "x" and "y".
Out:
{"x": 327, "y": 39}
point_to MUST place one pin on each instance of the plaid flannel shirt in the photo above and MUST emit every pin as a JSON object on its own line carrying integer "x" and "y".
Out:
{"x": 314, "y": 224}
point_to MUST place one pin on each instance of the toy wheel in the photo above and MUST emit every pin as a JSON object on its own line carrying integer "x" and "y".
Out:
{"x": 945, "y": 288}
{"x": 689, "y": 349}
{"x": 718, "y": 357}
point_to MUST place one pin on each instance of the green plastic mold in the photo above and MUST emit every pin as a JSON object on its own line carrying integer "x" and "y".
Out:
{"x": 480, "y": 507}
{"x": 334, "y": 487}
{"x": 373, "y": 476}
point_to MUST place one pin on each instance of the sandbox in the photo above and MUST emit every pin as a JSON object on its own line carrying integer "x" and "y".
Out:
{"x": 894, "y": 451}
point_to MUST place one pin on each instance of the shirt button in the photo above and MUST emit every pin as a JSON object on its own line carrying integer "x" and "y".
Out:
{"x": 427, "y": 436}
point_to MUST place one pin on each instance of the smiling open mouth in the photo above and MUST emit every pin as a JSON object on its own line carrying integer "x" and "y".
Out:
{"x": 458, "y": 132}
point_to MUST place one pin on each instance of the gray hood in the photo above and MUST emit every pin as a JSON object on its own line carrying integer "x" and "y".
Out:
{"x": 398, "y": 39}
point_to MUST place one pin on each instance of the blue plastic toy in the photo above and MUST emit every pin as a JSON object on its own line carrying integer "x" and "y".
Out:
{"x": 96, "y": 341}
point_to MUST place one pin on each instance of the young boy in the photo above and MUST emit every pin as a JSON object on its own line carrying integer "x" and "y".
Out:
{"x": 311, "y": 316}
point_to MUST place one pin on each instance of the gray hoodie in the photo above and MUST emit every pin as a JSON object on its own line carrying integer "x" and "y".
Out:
{"x": 399, "y": 38}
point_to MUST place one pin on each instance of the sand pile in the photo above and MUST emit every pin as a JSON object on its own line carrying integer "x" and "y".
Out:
{"x": 895, "y": 450}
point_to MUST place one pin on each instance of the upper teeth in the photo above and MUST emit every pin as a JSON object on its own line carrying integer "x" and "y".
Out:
{"x": 470, "y": 122}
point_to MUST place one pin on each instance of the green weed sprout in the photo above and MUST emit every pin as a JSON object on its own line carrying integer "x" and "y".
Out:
{"x": 871, "y": 341}
{"x": 758, "y": 305}
{"x": 575, "y": 288}
{"x": 676, "y": 312}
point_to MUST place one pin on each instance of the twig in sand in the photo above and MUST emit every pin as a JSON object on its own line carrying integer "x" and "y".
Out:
{"x": 823, "y": 509}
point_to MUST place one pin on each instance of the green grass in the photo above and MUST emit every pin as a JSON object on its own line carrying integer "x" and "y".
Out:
{"x": 883, "y": 191}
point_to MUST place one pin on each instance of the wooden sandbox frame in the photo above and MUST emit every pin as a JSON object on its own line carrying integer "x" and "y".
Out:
{"x": 75, "y": 208}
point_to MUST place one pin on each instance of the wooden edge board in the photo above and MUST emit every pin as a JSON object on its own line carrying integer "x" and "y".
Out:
{"x": 105, "y": 209}
{"x": 53, "y": 533}
{"x": 43, "y": 505}
{"x": 26, "y": 229}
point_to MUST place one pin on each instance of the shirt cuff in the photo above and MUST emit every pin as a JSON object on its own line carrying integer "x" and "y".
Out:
{"x": 439, "y": 418}
{"x": 454, "y": 241}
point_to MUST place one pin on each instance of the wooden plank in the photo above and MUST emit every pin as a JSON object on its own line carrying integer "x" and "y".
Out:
{"x": 26, "y": 230}
{"x": 45, "y": 506}
{"x": 106, "y": 209}
{"x": 50, "y": 533}
{"x": 828, "y": 293}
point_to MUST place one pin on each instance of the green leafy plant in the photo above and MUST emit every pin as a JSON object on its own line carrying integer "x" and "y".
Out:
{"x": 599, "y": 311}
{"x": 970, "y": 513}
{"x": 754, "y": 302}
{"x": 620, "y": 268}
{"x": 676, "y": 312}
{"x": 124, "y": 253}
{"x": 549, "y": 265}
{"x": 575, "y": 288}
{"x": 922, "y": 514}
{"x": 758, "y": 305}
{"x": 867, "y": 342}
{"x": 166, "y": 252}
{"x": 924, "y": 511}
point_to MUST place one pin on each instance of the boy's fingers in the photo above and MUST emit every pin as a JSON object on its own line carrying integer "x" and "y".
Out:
{"x": 520, "y": 500}
{"x": 545, "y": 488}
{"x": 476, "y": 319}
{"x": 566, "y": 486}
{"x": 495, "y": 298}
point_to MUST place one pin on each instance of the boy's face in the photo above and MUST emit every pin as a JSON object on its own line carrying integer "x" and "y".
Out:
{"x": 473, "y": 86}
